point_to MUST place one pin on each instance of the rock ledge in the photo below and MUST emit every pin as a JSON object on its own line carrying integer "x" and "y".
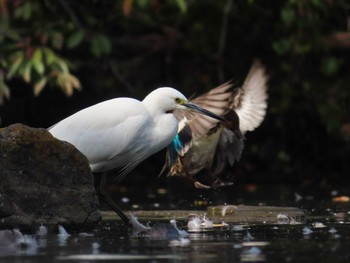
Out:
{"x": 43, "y": 180}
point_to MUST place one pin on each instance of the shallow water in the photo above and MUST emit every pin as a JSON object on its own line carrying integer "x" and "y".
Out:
{"x": 323, "y": 235}
{"x": 270, "y": 243}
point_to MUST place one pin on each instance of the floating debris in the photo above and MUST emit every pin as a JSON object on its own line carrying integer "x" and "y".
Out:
{"x": 62, "y": 235}
{"x": 285, "y": 219}
{"x": 13, "y": 242}
{"x": 253, "y": 250}
{"x": 340, "y": 217}
{"x": 137, "y": 227}
{"x": 207, "y": 223}
{"x": 161, "y": 231}
{"x": 237, "y": 246}
{"x": 182, "y": 242}
{"x": 10, "y": 237}
{"x": 197, "y": 223}
{"x": 254, "y": 214}
{"x": 318, "y": 225}
{"x": 182, "y": 233}
{"x": 62, "y": 232}
{"x": 253, "y": 254}
{"x": 194, "y": 224}
{"x": 282, "y": 216}
{"x": 248, "y": 237}
{"x": 95, "y": 248}
{"x": 297, "y": 197}
{"x": 332, "y": 230}
{"x": 225, "y": 207}
{"x": 237, "y": 228}
{"x": 334, "y": 192}
{"x": 293, "y": 221}
{"x": 307, "y": 231}
{"x": 42, "y": 231}
{"x": 125, "y": 200}
{"x": 282, "y": 219}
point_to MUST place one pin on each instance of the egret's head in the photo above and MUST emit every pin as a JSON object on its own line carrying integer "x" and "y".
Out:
{"x": 169, "y": 99}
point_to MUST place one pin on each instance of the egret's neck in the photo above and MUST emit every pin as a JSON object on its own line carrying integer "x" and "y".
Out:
{"x": 165, "y": 124}
{"x": 155, "y": 106}
{"x": 165, "y": 129}
{"x": 152, "y": 108}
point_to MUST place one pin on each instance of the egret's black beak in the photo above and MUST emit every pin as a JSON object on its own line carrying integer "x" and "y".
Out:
{"x": 198, "y": 109}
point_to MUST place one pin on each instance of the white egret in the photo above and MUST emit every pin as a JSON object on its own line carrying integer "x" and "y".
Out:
{"x": 206, "y": 145}
{"x": 122, "y": 132}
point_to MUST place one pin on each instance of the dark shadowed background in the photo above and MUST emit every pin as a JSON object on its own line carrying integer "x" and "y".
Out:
{"x": 57, "y": 57}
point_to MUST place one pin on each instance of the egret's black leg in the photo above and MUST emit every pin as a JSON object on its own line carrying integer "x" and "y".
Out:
{"x": 109, "y": 200}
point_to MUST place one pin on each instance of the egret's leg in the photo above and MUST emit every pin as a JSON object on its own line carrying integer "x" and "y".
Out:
{"x": 109, "y": 200}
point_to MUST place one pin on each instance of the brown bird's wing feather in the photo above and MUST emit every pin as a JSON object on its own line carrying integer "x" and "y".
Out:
{"x": 250, "y": 101}
{"x": 248, "y": 110}
{"x": 218, "y": 101}
{"x": 243, "y": 109}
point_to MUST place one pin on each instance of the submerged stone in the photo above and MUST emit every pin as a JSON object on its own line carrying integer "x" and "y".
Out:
{"x": 43, "y": 180}
{"x": 221, "y": 216}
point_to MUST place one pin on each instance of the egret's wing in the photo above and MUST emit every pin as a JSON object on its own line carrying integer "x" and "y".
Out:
{"x": 216, "y": 100}
{"x": 250, "y": 101}
{"x": 95, "y": 131}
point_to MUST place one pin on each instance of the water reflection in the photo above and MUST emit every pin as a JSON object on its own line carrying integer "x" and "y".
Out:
{"x": 252, "y": 243}
{"x": 324, "y": 235}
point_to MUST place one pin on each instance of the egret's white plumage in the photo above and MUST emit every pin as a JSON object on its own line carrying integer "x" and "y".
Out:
{"x": 122, "y": 132}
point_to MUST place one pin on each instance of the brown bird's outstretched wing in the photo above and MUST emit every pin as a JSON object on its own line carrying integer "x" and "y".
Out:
{"x": 247, "y": 111}
{"x": 250, "y": 101}
{"x": 217, "y": 100}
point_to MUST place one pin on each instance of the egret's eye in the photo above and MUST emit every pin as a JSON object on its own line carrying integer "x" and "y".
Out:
{"x": 177, "y": 100}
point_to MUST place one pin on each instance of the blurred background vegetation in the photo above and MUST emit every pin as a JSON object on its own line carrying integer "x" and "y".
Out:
{"x": 57, "y": 57}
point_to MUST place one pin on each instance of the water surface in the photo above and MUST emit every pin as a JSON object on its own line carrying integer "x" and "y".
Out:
{"x": 322, "y": 235}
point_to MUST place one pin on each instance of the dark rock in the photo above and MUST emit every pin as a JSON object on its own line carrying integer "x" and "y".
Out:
{"x": 43, "y": 180}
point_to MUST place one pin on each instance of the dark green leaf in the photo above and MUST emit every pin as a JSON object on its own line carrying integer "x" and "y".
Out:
{"x": 100, "y": 45}
{"x": 14, "y": 66}
{"x": 75, "y": 39}
{"x": 330, "y": 66}
{"x": 182, "y": 5}
{"x": 288, "y": 16}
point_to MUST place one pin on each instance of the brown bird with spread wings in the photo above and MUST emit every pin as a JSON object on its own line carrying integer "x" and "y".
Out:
{"x": 206, "y": 145}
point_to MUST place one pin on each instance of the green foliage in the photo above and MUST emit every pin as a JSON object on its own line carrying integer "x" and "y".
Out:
{"x": 36, "y": 37}
{"x": 131, "y": 46}
{"x": 75, "y": 38}
{"x": 182, "y": 5}
{"x": 192, "y": 43}
{"x": 330, "y": 65}
{"x": 4, "y": 89}
{"x": 100, "y": 45}
{"x": 29, "y": 46}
